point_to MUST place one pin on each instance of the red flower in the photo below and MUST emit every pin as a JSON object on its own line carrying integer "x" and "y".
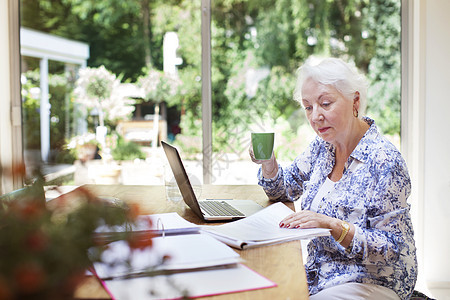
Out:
{"x": 166, "y": 258}
{"x": 140, "y": 241}
{"x": 29, "y": 278}
{"x": 36, "y": 241}
{"x": 5, "y": 289}
{"x": 149, "y": 222}
{"x": 133, "y": 211}
{"x": 31, "y": 210}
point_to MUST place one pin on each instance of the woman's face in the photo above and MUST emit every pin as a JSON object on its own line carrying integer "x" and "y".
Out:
{"x": 328, "y": 112}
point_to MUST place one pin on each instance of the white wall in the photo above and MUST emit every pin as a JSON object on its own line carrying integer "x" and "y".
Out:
{"x": 425, "y": 137}
{"x": 436, "y": 202}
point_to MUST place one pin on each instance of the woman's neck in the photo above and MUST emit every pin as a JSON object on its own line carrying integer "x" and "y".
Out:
{"x": 344, "y": 149}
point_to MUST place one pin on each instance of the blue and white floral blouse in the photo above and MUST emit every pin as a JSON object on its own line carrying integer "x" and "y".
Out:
{"x": 373, "y": 196}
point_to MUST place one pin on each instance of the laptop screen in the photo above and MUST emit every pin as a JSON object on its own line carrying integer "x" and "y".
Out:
{"x": 181, "y": 177}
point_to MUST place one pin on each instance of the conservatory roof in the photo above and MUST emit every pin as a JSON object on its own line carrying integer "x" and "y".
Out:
{"x": 44, "y": 45}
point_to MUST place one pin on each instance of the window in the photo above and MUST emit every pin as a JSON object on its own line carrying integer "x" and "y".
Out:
{"x": 256, "y": 46}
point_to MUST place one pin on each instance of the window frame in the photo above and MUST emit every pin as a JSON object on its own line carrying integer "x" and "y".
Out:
{"x": 11, "y": 150}
{"x": 206, "y": 91}
{"x": 16, "y": 143}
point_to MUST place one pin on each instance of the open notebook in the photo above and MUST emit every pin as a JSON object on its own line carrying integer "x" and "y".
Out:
{"x": 206, "y": 209}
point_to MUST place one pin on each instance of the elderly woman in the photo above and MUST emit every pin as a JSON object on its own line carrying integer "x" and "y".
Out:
{"x": 352, "y": 181}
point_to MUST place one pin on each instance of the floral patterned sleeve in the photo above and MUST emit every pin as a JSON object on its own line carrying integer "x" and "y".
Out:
{"x": 288, "y": 185}
{"x": 388, "y": 232}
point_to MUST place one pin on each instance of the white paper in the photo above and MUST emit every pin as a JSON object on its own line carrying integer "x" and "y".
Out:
{"x": 262, "y": 228}
{"x": 192, "y": 284}
{"x": 168, "y": 223}
{"x": 190, "y": 251}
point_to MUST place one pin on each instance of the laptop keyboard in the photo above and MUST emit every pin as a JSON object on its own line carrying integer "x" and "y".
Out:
{"x": 219, "y": 208}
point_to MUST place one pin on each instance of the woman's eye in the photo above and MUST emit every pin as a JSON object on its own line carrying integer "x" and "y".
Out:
{"x": 308, "y": 107}
{"x": 325, "y": 104}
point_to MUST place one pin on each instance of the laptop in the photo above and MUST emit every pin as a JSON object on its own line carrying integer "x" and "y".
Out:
{"x": 207, "y": 209}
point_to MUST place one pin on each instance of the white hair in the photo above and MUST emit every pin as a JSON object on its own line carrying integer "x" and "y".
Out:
{"x": 335, "y": 72}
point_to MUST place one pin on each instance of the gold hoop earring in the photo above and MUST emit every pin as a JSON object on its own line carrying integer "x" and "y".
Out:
{"x": 357, "y": 113}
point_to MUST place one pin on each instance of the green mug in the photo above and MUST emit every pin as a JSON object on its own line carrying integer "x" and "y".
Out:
{"x": 263, "y": 144}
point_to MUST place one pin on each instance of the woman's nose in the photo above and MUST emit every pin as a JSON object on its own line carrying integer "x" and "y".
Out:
{"x": 316, "y": 115}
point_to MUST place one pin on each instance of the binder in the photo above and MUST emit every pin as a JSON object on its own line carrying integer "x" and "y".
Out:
{"x": 176, "y": 265}
{"x": 156, "y": 224}
{"x": 167, "y": 255}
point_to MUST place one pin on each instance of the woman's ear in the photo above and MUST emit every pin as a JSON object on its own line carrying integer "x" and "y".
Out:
{"x": 356, "y": 100}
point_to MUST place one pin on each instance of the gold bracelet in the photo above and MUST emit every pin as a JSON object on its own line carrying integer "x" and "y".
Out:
{"x": 345, "y": 230}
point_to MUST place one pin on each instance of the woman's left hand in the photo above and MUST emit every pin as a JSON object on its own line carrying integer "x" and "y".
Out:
{"x": 310, "y": 219}
{"x": 307, "y": 219}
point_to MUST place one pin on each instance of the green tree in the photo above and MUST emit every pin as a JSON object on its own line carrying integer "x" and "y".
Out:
{"x": 385, "y": 66}
{"x": 246, "y": 35}
{"x": 115, "y": 33}
{"x": 278, "y": 35}
{"x": 59, "y": 88}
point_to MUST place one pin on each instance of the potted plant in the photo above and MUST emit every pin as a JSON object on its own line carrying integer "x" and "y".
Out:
{"x": 85, "y": 147}
{"x": 98, "y": 89}
{"x": 44, "y": 246}
{"x": 158, "y": 87}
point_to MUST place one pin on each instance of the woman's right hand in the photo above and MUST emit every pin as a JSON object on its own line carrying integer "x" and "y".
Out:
{"x": 269, "y": 166}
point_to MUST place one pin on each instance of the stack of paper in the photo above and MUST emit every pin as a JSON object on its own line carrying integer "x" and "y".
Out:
{"x": 169, "y": 254}
{"x": 177, "y": 266}
{"x": 262, "y": 228}
{"x": 188, "y": 285}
